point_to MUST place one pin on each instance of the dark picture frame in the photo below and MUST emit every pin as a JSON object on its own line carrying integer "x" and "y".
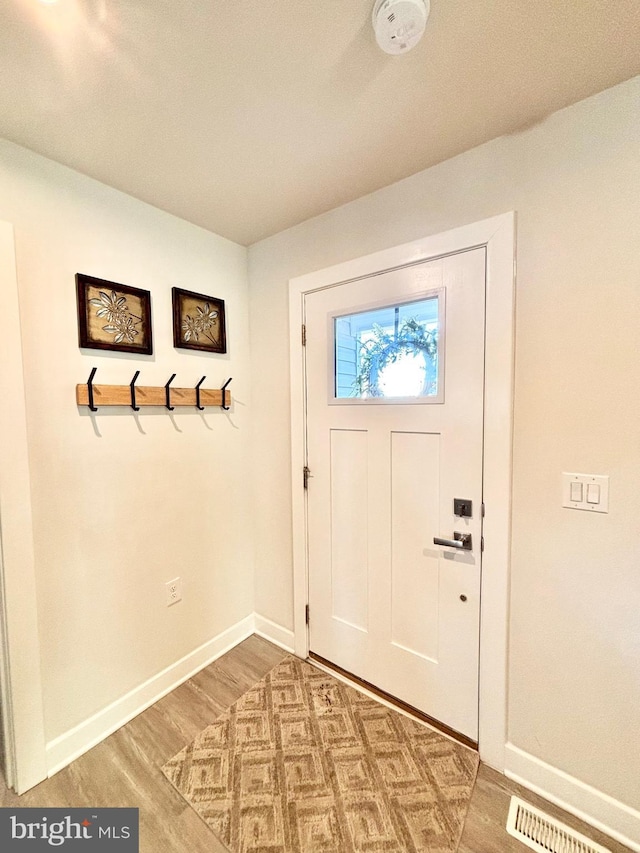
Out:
{"x": 113, "y": 316}
{"x": 199, "y": 321}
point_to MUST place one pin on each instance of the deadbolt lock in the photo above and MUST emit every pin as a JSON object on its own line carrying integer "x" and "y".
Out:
{"x": 462, "y": 507}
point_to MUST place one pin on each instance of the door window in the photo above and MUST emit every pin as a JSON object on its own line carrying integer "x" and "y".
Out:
{"x": 390, "y": 353}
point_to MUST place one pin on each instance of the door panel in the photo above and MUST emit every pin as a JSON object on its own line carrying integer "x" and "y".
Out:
{"x": 349, "y": 525}
{"x": 415, "y": 474}
{"x": 386, "y": 603}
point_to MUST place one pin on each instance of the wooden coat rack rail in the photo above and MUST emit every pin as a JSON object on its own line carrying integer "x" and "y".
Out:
{"x": 136, "y": 396}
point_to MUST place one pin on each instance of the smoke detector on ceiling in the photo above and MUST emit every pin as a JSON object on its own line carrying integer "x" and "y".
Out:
{"x": 399, "y": 24}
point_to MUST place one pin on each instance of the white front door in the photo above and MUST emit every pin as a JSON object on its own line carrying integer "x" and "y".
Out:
{"x": 394, "y": 396}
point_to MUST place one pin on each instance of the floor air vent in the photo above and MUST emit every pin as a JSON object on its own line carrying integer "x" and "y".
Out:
{"x": 541, "y": 832}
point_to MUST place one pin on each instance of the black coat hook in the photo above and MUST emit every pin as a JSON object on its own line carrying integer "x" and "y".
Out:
{"x": 132, "y": 385}
{"x": 224, "y": 394}
{"x": 168, "y": 393}
{"x": 90, "y": 390}
{"x": 198, "y": 406}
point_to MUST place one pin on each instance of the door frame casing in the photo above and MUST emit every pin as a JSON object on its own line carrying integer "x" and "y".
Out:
{"x": 497, "y": 235}
{"x": 20, "y": 673}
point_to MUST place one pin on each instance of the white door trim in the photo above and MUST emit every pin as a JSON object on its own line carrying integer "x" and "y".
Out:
{"x": 498, "y": 235}
{"x": 20, "y": 677}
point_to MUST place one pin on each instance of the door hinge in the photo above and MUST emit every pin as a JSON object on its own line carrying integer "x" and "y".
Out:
{"x": 306, "y": 614}
{"x": 482, "y": 543}
{"x": 304, "y": 335}
{"x": 482, "y": 509}
{"x": 306, "y": 473}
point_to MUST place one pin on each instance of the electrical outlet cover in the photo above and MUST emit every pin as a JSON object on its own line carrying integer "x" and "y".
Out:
{"x": 173, "y": 591}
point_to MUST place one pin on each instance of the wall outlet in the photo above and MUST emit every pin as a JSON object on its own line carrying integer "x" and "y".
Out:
{"x": 174, "y": 591}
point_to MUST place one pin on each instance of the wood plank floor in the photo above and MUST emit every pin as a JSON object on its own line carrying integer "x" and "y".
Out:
{"x": 124, "y": 770}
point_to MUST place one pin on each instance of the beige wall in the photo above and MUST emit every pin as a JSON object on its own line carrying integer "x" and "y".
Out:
{"x": 574, "y": 181}
{"x": 123, "y": 504}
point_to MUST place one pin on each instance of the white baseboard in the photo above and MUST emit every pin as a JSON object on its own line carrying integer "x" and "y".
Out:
{"x": 594, "y": 807}
{"x": 276, "y": 634}
{"x": 72, "y": 744}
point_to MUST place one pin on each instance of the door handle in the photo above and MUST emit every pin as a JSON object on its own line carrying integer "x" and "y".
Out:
{"x": 461, "y": 541}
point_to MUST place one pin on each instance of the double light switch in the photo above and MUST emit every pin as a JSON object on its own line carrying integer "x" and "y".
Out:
{"x": 585, "y": 491}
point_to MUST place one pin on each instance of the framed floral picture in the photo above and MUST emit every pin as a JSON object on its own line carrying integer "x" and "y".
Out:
{"x": 113, "y": 316}
{"x": 198, "y": 321}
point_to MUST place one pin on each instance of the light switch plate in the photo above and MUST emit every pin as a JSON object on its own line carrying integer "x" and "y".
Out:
{"x": 585, "y": 480}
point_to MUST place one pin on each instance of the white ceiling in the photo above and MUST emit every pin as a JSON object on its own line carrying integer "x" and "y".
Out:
{"x": 248, "y": 116}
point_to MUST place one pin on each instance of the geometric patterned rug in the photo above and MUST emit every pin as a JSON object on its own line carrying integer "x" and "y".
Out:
{"x": 303, "y": 763}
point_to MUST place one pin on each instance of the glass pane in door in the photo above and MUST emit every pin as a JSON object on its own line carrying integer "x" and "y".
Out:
{"x": 389, "y": 353}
